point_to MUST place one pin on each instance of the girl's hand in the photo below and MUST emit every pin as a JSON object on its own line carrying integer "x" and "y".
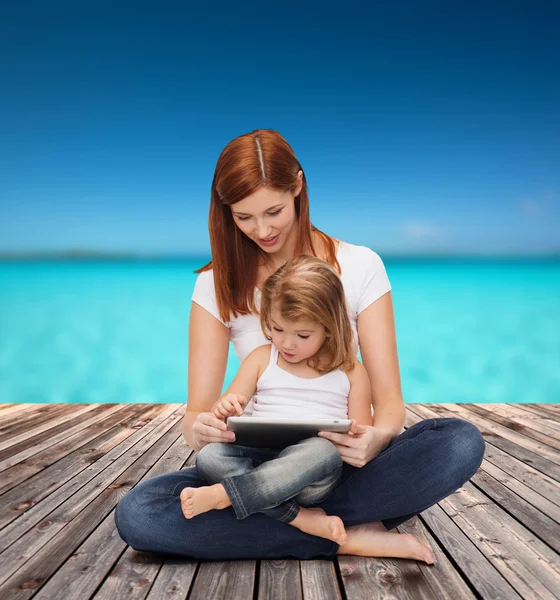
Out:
{"x": 208, "y": 428}
{"x": 229, "y": 405}
{"x": 361, "y": 445}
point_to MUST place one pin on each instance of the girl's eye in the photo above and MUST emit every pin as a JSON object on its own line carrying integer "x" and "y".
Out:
{"x": 276, "y": 329}
{"x": 303, "y": 337}
{"x": 242, "y": 218}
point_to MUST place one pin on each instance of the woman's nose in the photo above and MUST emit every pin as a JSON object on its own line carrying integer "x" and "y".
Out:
{"x": 263, "y": 231}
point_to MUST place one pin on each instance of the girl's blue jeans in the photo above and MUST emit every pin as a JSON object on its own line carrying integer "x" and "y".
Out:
{"x": 274, "y": 482}
{"x": 420, "y": 467}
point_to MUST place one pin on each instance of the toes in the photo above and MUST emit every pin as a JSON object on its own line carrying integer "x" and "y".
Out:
{"x": 187, "y": 493}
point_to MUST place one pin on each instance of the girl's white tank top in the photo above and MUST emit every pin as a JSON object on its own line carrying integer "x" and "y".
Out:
{"x": 283, "y": 395}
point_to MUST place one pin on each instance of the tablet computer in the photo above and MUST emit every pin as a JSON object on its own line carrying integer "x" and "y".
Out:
{"x": 260, "y": 432}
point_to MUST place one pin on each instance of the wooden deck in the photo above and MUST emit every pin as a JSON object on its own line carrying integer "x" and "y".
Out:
{"x": 65, "y": 467}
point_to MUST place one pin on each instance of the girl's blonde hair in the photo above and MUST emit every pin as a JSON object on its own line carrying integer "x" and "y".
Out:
{"x": 307, "y": 287}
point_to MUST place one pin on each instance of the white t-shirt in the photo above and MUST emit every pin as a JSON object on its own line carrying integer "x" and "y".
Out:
{"x": 363, "y": 277}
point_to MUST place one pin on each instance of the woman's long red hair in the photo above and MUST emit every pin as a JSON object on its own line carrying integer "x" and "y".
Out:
{"x": 258, "y": 159}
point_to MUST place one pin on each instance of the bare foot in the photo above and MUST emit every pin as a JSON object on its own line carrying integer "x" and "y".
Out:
{"x": 316, "y": 522}
{"x": 369, "y": 540}
{"x": 195, "y": 501}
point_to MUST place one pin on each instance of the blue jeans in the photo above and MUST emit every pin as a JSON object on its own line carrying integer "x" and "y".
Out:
{"x": 420, "y": 467}
{"x": 266, "y": 480}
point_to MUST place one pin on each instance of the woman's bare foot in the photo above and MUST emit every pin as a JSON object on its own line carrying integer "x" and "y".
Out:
{"x": 372, "y": 539}
{"x": 316, "y": 522}
{"x": 195, "y": 501}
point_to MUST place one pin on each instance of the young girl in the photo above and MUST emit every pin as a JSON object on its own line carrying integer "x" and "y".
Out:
{"x": 309, "y": 371}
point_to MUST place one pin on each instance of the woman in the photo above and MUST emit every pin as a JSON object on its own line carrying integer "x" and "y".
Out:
{"x": 259, "y": 219}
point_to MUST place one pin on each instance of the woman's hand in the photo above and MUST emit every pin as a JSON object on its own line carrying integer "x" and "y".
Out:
{"x": 229, "y": 405}
{"x": 208, "y": 428}
{"x": 361, "y": 445}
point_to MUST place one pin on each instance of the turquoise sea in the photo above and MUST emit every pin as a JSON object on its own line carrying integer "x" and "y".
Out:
{"x": 116, "y": 331}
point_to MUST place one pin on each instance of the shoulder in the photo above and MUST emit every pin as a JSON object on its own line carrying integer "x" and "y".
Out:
{"x": 355, "y": 259}
{"x": 205, "y": 282}
{"x": 258, "y": 359}
{"x": 204, "y": 294}
{"x": 358, "y": 373}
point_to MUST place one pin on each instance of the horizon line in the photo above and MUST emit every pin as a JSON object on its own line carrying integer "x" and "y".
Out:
{"x": 84, "y": 254}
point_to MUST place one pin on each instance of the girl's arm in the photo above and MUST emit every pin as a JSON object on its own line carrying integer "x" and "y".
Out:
{"x": 378, "y": 347}
{"x": 245, "y": 382}
{"x": 359, "y": 399}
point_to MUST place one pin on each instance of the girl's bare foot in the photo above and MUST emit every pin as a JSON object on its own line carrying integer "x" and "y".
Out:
{"x": 371, "y": 540}
{"x": 195, "y": 501}
{"x": 316, "y": 522}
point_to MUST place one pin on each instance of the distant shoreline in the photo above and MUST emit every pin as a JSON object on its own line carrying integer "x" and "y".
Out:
{"x": 91, "y": 256}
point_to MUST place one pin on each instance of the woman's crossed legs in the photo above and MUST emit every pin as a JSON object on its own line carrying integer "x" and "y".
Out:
{"x": 421, "y": 466}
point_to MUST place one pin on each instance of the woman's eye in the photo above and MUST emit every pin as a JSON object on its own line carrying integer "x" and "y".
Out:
{"x": 242, "y": 218}
{"x": 303, "y": 337}
{"x": 273, "y": 214}
{"x": 276, "y": 329}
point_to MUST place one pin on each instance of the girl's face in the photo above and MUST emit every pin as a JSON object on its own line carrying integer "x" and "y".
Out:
{"x": 297, "y": 341}
{"x": 268, "y": 217}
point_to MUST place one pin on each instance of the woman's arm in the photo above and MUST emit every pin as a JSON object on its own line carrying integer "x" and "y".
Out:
{"x": 208, "y": 352}
{"x": 359, "y": 399}
{"x": 378, "y": 347}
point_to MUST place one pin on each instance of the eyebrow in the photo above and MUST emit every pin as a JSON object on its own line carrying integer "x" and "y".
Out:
{"x": 241, "y": 214}
{"x": 298, "y": 331}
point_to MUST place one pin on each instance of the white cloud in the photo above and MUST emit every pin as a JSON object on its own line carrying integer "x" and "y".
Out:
{"x": 530, "y": 207}
{"x": 422, "y": 230}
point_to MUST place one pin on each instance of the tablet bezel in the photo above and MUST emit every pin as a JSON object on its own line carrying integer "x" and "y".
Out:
{"x": 261, "y": 432}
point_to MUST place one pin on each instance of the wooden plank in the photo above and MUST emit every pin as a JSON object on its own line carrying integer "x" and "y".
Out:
{"x": 380, "y": 578}
{"x": 547, "y": 486}
{"x": 552, "y": 408}
{"x": 528, "y": 494}
{"x": 27, "y": 421}
{"x": 519, "y": 414}
{"x": 87, "y": 567}
{"x": 482, "y": 576}
{"x": 279, "y": 580}
{"x": 537, "y": 522}
{"x": 318, "y": 580}
{"x": 18, "y": 412}
{"x": 124, "y": 575}
{"x": 224, "y": 580}
{"x": 36, "y": 445}
{"x": 518, "y": 555}
{"x": 53, "y": 426}
{"x": 42, "y": 560}
{"x": 174, "y": 580}
{"x": 443, "y": 578}
{"x": 78, "y": 491}
{"x": 32, "y": 490}
{"x": 515, "y": 425}
{"x": 8, "y": 410}
{"x": 543, "y": 412}
{"x": 541, "y": 456}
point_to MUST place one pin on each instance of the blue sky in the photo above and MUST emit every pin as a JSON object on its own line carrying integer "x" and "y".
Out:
{"x": 422, "y": 127}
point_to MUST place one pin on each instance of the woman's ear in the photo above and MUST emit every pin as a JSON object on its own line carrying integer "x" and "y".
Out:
{"x": 299, "y": 185}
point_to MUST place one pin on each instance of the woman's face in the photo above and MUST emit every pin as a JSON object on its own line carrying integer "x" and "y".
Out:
{"x": 268, "y": 217}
